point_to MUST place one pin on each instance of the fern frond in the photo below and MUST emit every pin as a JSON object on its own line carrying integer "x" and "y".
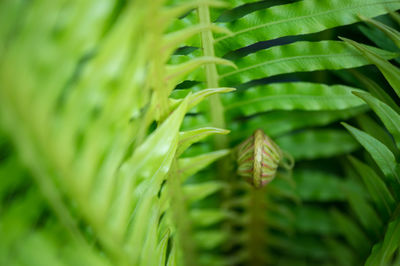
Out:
{"x": 314, "y": 16}
{"x": 296, "y": 57}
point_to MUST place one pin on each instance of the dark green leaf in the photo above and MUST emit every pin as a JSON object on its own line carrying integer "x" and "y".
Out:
{"x": 311, "y": 144}
{"x": 389, "y": 117}
{"x": 352, "y": 232}
{"x": 379, "y": 152}
{"x": 376, "y": 187}
{"x": 383, "y": 252}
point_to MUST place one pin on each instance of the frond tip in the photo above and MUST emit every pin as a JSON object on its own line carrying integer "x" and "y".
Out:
{"x": 258, "y": 158}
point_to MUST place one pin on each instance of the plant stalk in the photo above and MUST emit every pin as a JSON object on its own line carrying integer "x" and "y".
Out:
{"x": 216, "y": 107}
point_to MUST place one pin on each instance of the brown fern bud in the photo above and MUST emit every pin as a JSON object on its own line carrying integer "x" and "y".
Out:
{"x": 258, "y": 158}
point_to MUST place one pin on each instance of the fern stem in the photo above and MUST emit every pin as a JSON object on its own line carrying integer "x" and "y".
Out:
{"x": 217, "y": 112}
{"x": 256, "y": 227}
{"x": 216, "y": 107}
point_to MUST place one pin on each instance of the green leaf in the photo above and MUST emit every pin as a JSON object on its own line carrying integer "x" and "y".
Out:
{"x": 376, "y": 90}
{"x": 211, "y": 239}
{"x": 196, "y": 192}
{"x": 162, "y": 249}
{"x": 343, "y": 255}
{"x": 187, "y": 138}
{"x": 318, "y": 186}
{"x": 352, "y": 232}
{"x": 311, "y": 144}
{"x": 12, "y": 176}
{"x": 207, "y": 217}
{"x": 371, "y": 126}
{"x": 173, "y": 256}
{"x": 177, "y": 73}
{"x": 293, "y": 96}
{"x": 312, "y": 15}
{"x": 198, "y": 97}
{"x": 190, "y": 166}
{"x": 395, "y": 16}
{"x": 250, "y": 6}
{"x": 393, "y": 34}
{"x": 300, "y": 249}
{"x": 284, "y": 187}
{"x": 383, "y": 157}
{"x": 150, "y": 162}
{"x": 383, "y": 252}
{"x": 306, "y": 218}
{"x": 379, "y": 38}
{"x": 143, "y": 227}
{"x": 389, "y": 117}
{"x": 296, "y": 57}
{"x": 365, "y": 214}
{"x": 194, "y": 121}
{"x": 391, "y": 73}
{"x": 276, "y": 123}
{"x": 378, "y": 190}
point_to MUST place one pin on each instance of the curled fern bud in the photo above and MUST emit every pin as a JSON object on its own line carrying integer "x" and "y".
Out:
{"x": 258, "y": 158}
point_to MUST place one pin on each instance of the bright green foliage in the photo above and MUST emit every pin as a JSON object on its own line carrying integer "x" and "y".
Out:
{"x": 106, "y": 113}
{"x": 82, "y": 130}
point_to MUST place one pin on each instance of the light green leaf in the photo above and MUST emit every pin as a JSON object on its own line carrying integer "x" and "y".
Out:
{"x": 296, "y": 57}
{"x": 196, "y": 192}
{"x": 194, "y": 121}
{"x": 312, "y": 15}
{"x": 290, "y": 96}
{"x": 207, "y": 217}
{"x": 195, "y": 98}
{"x": 173, "y": 256}
{"x": 190, "y": 166}
{"x": 143, "y": 227}
{"x": 150, "y": 163}
{"x": 176, "y": 73}
{"x": 378, "y": 190}
{"x": 211, "y": 239}
{"x": 187, "y": 138}
{"x": 389, "y": 117}
{"x": 150, "y": 243}
{"x": 161, "y": 253}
